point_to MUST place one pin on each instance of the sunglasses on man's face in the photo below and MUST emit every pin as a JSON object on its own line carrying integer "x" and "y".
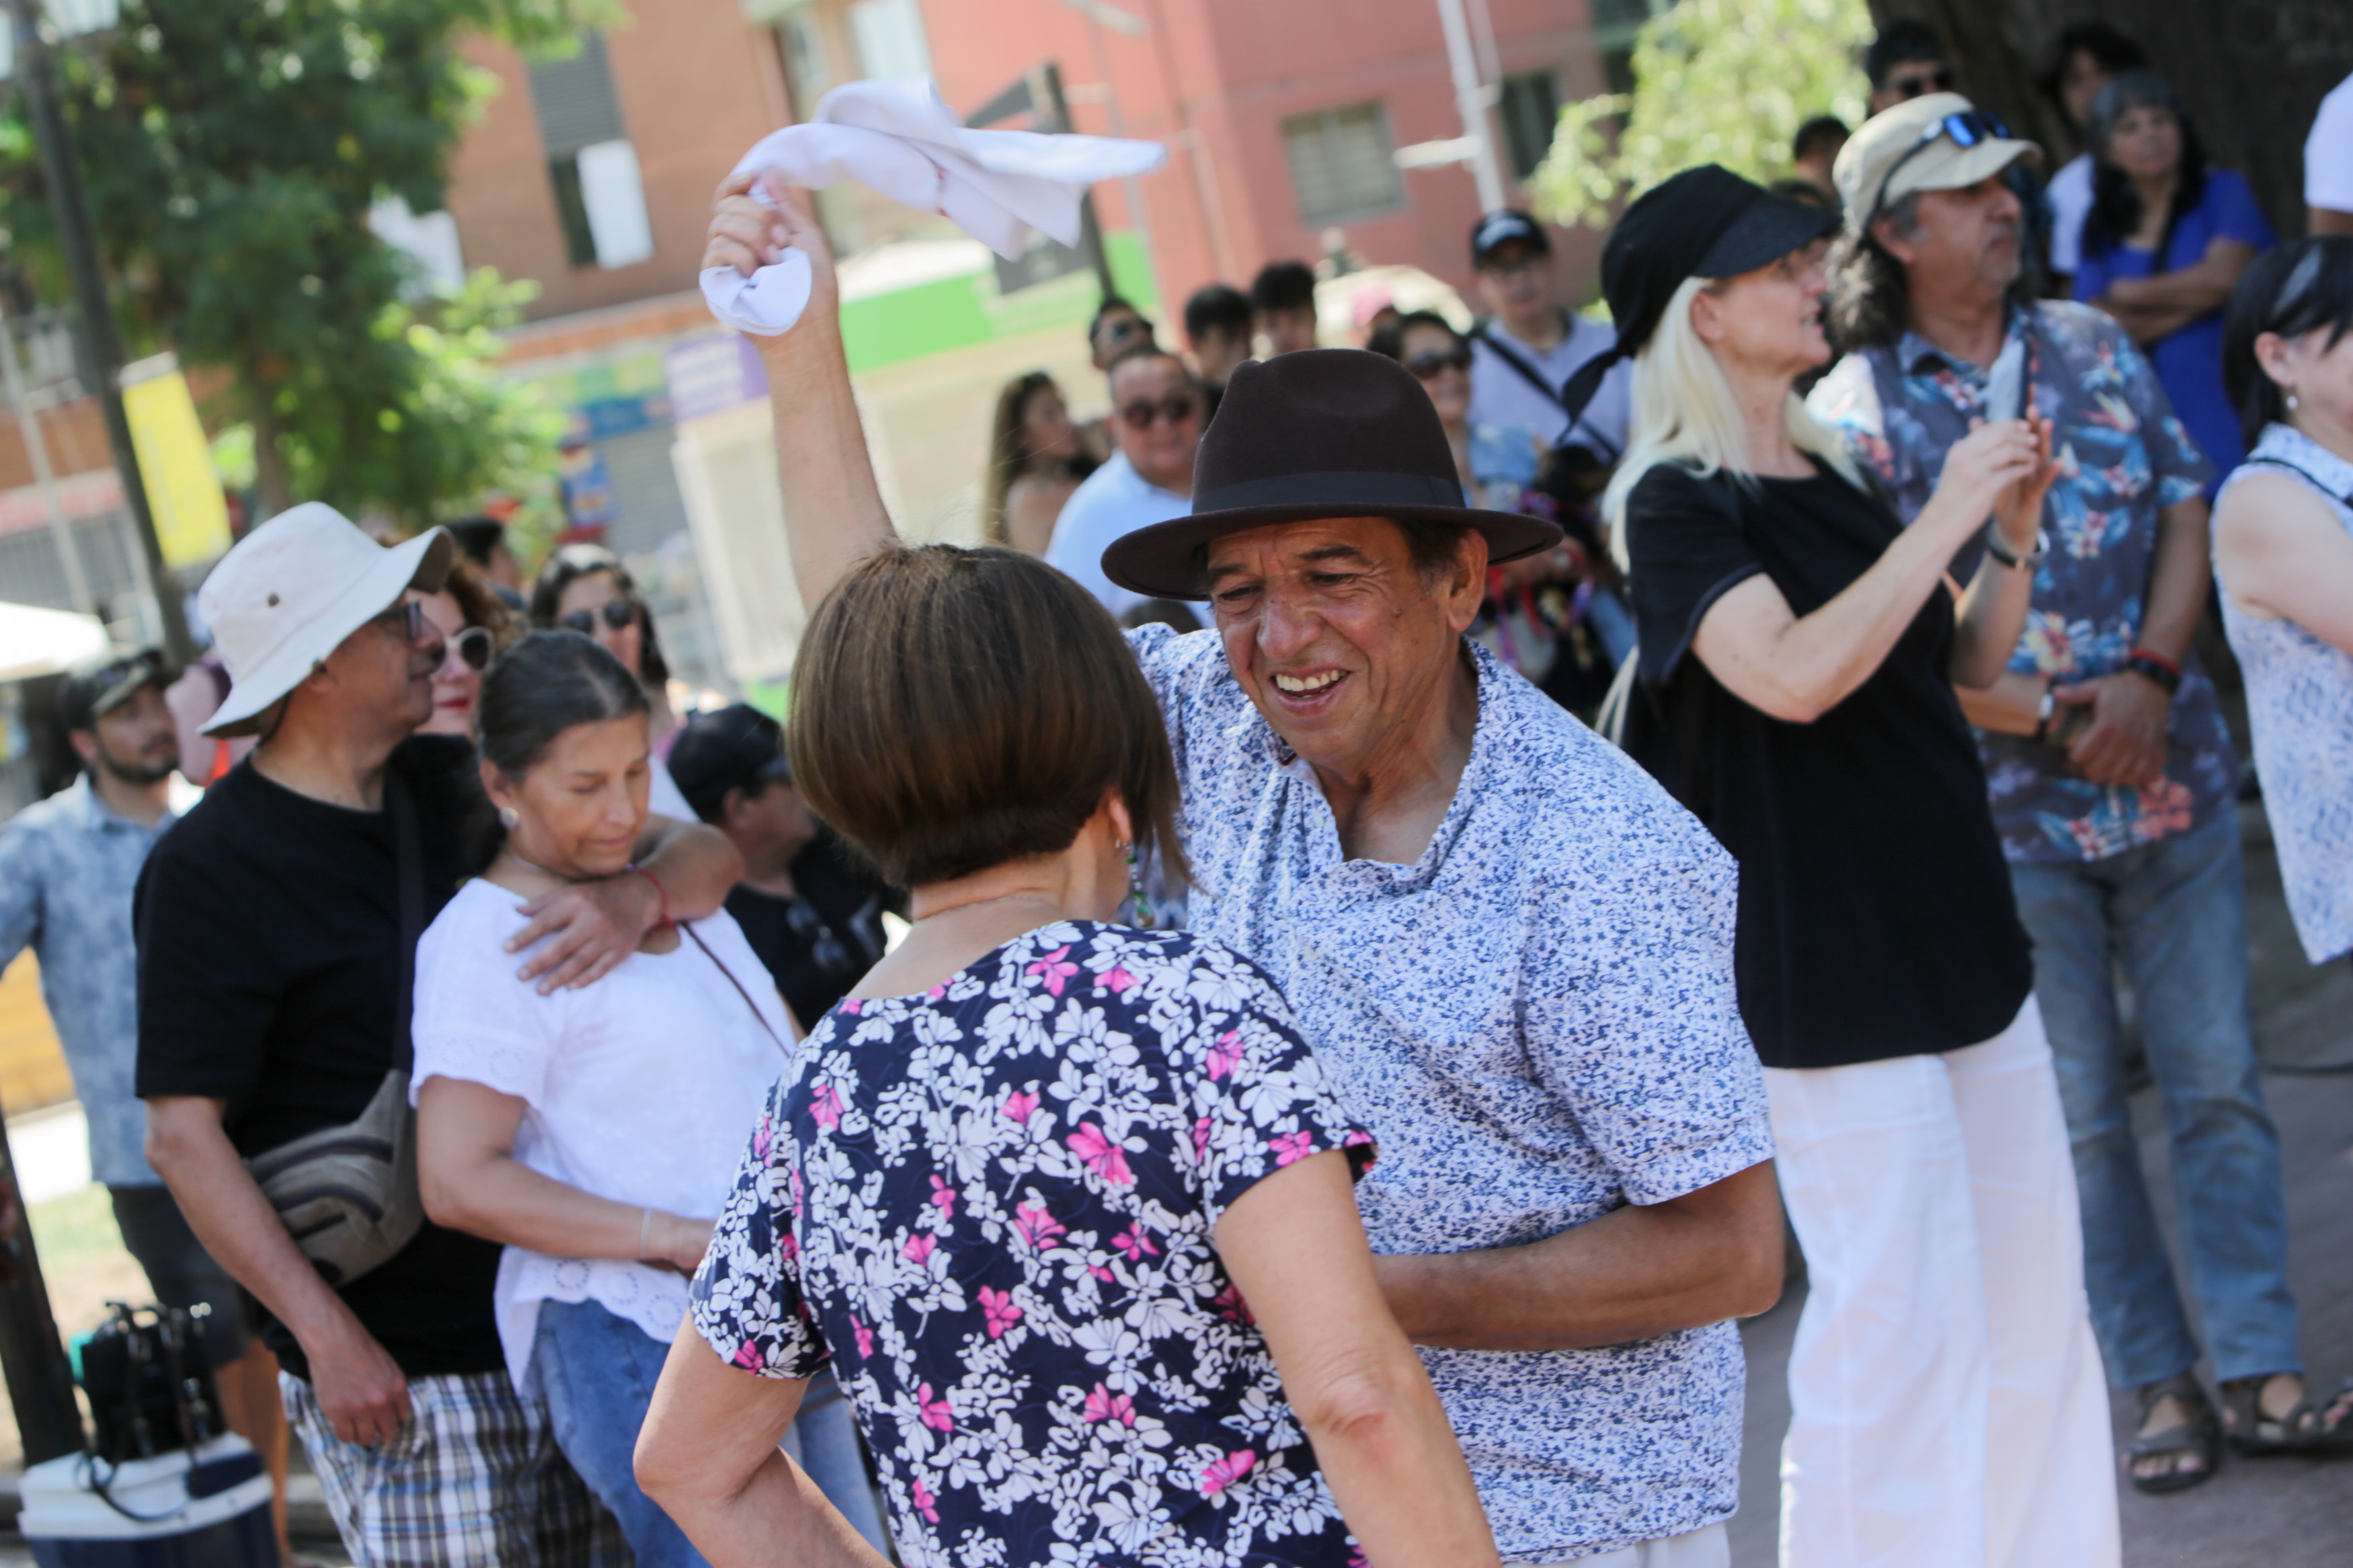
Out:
{"x": 1175, "y": 409}
{"x": 409, "y": 615}
{"x": 1428, "y": 364}
{"x": 617, "y": 613}
{"x": 1919, "y": 84}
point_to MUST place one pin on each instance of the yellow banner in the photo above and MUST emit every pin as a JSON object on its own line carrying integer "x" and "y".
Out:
{"x": 183, "y": 489}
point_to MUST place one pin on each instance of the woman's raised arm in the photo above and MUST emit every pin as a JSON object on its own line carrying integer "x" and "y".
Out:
{"x": 834, "y": 515}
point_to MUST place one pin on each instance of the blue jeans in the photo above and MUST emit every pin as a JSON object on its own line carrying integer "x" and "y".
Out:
{"x": 2174, "y": 914}
{"x": 598, "y": 1373}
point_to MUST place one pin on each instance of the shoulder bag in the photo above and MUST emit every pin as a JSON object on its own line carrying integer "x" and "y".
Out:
{"x": 348, "y": 1194}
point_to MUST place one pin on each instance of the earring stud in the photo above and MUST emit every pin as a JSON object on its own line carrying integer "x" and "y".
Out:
{"x": 508, "y": 817}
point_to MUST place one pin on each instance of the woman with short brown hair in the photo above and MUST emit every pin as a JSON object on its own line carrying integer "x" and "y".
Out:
{"x": 1057, "y": 1198}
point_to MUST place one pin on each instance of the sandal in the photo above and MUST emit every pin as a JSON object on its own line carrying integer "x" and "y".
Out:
{"x": 2201, "y": 1435}
{"x": 2319, "y": 1424}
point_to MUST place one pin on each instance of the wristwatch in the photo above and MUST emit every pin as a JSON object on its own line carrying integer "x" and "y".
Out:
{"x": 2028, "y": 562}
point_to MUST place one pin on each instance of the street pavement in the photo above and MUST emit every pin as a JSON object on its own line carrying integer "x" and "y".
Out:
{"x": 2256, "y": 1513}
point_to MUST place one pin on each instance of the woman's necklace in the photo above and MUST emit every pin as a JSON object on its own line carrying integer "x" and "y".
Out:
{"x": 533, "y": 866}
{"x": 978, "y": 903}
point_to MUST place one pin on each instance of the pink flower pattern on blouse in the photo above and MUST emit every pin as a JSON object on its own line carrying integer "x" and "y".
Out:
{"x": 1005, "y": 1253}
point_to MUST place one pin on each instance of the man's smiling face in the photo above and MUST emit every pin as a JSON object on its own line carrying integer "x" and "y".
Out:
{"x": 1344, "y": 645}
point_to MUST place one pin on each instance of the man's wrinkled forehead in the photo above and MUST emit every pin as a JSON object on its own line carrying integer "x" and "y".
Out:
{"x": 1353, "y": 541}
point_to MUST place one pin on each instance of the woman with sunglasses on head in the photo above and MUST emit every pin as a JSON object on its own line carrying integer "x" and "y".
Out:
{"x": 2168, "y": 237}
{"x": 474, "y": 626}
{"x": 593, "y": 1132}
{"x": 584, "y": 588}
{"x": 1799, "y": 649}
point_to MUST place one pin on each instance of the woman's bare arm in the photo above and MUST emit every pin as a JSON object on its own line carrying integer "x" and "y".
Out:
{"x": 1993, "y": 612}
{"x": 1296, "y": 1250}
{"x": 834, "y": 515}
{"x": 2282, "y": 553}
{"x": 472, "y": 1182}
{"x": 1799, "y": 668}
{"x": 707, "y": 1454}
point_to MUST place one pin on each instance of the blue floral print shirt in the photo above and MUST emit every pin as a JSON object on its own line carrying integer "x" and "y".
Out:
{"x": 1538, "y": 1021}
{"x": 990, "y": 1208}
{"x": 2123, "y": 457}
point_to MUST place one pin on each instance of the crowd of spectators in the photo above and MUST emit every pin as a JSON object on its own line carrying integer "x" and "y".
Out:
{"x": 651, "y": 1049}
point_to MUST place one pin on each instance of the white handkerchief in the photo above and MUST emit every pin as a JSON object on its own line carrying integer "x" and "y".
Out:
{"x": 899, "y": 137}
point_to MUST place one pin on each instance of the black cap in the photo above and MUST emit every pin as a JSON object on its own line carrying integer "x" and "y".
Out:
{"x": 1504, "y": 228}
{"x": 1706, "y": 222}
{"x": 99, "y": 685}
{"x": 738, "y": 747}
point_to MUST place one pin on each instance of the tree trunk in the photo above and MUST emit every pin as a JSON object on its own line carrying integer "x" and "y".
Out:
{"x": 2251, "y": 73}
{"x": 273, "y": 485}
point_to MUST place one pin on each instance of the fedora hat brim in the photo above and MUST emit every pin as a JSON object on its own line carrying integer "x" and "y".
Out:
{"x": 1168, "y": 560}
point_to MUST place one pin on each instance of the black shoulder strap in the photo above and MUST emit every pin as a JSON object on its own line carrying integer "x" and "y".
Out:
{"x": 408, "y": 869}
{"x": 1480, "y": 333}
{"x": 2306, "y": 475}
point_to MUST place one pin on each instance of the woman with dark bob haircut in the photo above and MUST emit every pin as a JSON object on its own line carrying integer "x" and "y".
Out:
{"x": 1064, "y": 1203}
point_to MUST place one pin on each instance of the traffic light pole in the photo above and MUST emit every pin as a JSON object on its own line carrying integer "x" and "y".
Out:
{"x": 37, "y": 74}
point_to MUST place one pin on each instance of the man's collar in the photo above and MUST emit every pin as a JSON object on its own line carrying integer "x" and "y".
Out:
{"x": 1915, "y": 353}
{"x": 97, "y": 817}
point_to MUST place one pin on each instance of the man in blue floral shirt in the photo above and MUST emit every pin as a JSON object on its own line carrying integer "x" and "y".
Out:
{"x": 2110, "y": 774}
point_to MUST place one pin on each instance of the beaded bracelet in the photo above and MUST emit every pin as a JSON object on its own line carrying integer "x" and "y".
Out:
{"x": 660, "y": 892}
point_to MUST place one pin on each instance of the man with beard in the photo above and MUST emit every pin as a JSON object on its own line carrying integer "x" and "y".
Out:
{"x": 68, "y": 866}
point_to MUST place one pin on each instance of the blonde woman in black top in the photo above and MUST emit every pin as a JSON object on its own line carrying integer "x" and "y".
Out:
{"x": 1800, "y": 648}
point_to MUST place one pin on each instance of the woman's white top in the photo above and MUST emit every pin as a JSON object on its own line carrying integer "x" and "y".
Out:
{"x": 2300, "y": 706}
{"x": 643, "y": 1088}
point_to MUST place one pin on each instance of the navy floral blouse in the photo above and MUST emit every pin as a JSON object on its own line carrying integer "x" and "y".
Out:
{"x": 990, "y": 1208}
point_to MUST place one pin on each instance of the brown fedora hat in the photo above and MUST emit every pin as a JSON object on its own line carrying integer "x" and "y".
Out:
{"x": 1319, "y": 433}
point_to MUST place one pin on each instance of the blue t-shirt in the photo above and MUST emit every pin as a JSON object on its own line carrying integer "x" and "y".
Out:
{"x": 2189, "y": 362}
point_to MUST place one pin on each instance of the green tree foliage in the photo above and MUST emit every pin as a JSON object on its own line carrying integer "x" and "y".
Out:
{"x": 232, "y": 150}
{"x": 1717, "y": 81}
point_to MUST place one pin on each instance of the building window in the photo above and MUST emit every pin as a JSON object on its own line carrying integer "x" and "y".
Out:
{"x": 805, "y": 60}
{"x": 890, "y": 34}
{"x": 429, "y": 239}
{"x": 599, "y": 197}
{"x": 1615, "y": 23}
{"x": 1342, "y": 163}
{"x": 1529, "y": 107}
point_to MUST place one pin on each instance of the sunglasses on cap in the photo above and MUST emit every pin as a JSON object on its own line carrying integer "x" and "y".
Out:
{"x": 1969, "y": 127}
{"x": 617, "y": 613}
{"x": 110, "y": 685}
{"x": 1426, "y": 366}
{"x": 1176, "y": 409}
{"x": 1919, "y": 84}
{"x": 474, "y": 647}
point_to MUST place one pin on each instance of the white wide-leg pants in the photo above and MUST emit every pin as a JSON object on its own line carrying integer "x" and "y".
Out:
{"x": 1947, "y": 1404}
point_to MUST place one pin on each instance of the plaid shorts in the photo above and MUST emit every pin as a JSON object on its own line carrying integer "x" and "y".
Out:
{"x": 472, "y": 1479}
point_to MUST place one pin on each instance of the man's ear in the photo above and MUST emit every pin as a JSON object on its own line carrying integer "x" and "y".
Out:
{"x": 1892, "y": 239}
{"x": 1466, "y": 588}
{"x": 85, "y": 746}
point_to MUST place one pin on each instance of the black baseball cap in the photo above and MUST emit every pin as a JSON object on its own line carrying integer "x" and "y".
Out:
{"x": 1504, "y": 228}
{"x": 99, "y": 685}
{"x": 738, "y": 747}
{"x": 1705, "y": 222}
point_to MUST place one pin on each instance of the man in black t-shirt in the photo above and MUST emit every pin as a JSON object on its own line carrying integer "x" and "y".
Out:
{"x": 809, "y": 914}
{"x": 270, "y": 968}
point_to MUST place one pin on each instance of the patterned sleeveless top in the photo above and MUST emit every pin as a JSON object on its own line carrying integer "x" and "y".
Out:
{"x": 2300, "y": 706}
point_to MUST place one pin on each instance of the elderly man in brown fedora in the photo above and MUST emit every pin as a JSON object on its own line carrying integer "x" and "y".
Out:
{"x": 1512, "y": 952}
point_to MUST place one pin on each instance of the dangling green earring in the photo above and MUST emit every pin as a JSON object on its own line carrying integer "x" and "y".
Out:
{"x": 1136, "y": 891}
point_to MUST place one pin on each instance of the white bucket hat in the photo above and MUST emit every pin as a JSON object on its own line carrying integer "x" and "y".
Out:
{"x": 292, "y": 590}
